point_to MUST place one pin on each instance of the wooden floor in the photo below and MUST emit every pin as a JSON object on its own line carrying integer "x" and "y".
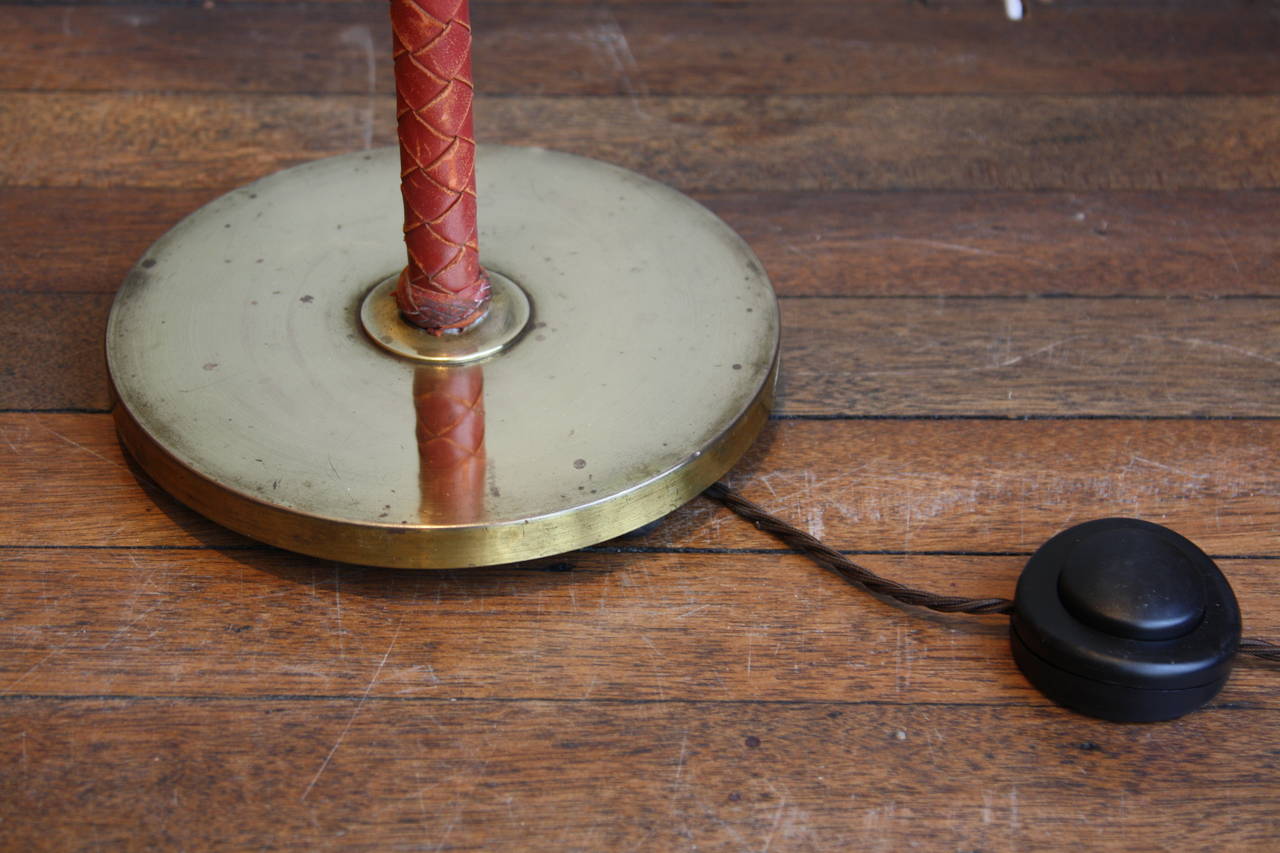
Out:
{"x": 1029, "y": 276}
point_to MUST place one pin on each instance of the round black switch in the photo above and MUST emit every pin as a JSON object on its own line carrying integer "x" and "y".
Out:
{"x": 1132, "y": 582}
{"x": 1125, "y": 620}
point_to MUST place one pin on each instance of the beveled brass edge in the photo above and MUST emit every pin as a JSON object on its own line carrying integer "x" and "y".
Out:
{"x": 419, "y": 547}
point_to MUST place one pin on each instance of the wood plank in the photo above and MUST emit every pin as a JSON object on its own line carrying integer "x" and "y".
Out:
{"x": 255, "y": 623}
{"x": 83, "y": 240}
{"x": 1030, "y": 357}
{"x": 654, "y": 627}
{"x": 697, "y": 144}
{"x": 66, "y": 330}
{"x": 169, "y": 685}
{"x": 1001, "y": 357}
{"x": 913, "y": 486}
{"x": 374, "y": 775}
{"x": 812, "y": 243}
{"x": 646, "y": 49}
{"x": 995, "y": 243}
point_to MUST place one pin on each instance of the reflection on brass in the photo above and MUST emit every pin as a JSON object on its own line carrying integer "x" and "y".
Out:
{"x": 448, "y": 405}
{"x": 249, "y": 389}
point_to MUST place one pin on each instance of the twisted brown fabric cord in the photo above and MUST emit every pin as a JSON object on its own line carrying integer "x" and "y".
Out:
{"x": 1260, "y": 649}
{"x": 824, "y": 555}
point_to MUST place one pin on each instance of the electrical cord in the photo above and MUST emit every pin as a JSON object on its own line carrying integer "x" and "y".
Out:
{"x": 825, "y": 555}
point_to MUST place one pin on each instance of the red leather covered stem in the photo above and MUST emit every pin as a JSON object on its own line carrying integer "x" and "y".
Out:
{"x": 443, "y": 287}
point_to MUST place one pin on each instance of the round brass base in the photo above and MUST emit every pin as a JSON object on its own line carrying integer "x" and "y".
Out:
{"x": 641, "y": 369}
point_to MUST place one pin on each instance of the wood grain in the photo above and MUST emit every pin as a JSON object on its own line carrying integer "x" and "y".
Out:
{"x": 816, "y": 243}
{"x": 1030, "y": 357}
{"x": 355, "y": 775}
{"x": 915, "y": 486}
{"x": 106, "y": 233}
{"x": 697, "y": 144}
{"x": 649, "y": 49}
{"x": 66, "y": 331}
{"x": 1028, "y": 275}
{"x": 589, "y": 626}
{"x": 995, "y": 243}
{"x": 911, "y": 356}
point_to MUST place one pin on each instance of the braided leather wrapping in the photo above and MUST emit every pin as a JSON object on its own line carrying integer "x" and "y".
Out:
{"x": 443, "y": 287}
{"x": 448, "y": 403}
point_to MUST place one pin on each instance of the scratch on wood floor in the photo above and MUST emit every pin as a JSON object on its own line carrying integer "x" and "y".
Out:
{"x": 814, "y": 510}
{"x": 1134, "y": 458}
{"x": 777, "y": 819}
{"x": 773, "y": 830}
{"x": 957, "y": 247}
{"x": 115, "y": 638}
{"x": 21, "y": 678}
{"x": 337, "y": 604}
{"x": 4, "y": 433}
{"x": 1201, "y": 342}
{"x": 608, "y": 40}
{"x": 362, "y": 37}
{"x": 431, "y": 673}
{"x": 74, "y": 443}
{"x": 422, "y": 800}
{"x": 1000, "y": 362}
{"x": 905, "y": 661}
{"x": 949, "y": 247}
{"x": 341, "y": 737}
{"x": 1010, "y": 361}
{"x": 448, "y": 827}
{"x": 1231, "y": 255}
{"x": 657, "y": 671}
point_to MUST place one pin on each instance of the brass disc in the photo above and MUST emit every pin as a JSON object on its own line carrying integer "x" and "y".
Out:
{"x": 247, "y": 386}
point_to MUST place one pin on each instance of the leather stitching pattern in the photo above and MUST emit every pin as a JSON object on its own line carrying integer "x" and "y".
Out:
{"x": 443, "y": 287}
